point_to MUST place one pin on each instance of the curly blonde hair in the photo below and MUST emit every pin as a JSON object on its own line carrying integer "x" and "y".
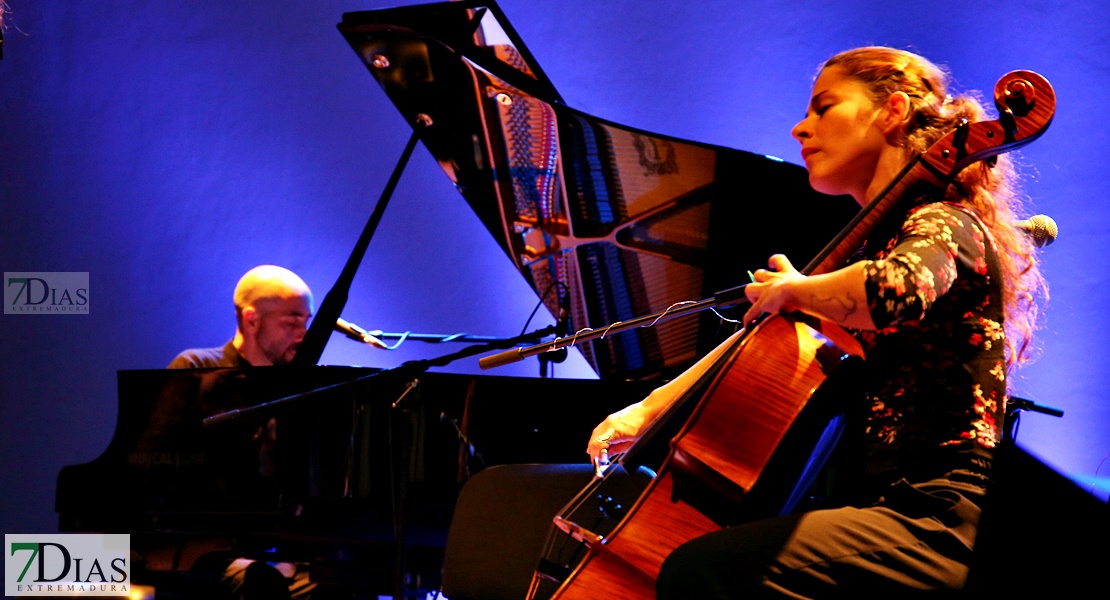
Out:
{"x": 989, "y": 189}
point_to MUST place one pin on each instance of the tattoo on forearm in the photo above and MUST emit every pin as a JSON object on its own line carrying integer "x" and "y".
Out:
{"x": 836, "y": 309}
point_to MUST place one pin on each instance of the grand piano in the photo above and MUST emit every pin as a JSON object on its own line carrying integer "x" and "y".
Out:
{"x": 605, "y": 221}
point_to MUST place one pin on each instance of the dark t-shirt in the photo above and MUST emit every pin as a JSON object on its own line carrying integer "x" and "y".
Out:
{"x": 200, "y": 358}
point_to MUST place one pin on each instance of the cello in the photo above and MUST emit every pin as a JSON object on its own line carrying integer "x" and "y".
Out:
{"x": 747, "y": 437}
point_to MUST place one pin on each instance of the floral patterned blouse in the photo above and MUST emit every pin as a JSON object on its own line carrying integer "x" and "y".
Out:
{"x": 936, "y": 374}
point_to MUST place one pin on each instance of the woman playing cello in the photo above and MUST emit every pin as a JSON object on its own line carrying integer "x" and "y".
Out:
{"x": 942, "y": 300}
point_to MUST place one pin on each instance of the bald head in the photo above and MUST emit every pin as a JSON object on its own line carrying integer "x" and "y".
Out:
{"x": 272, "y": 307}
{"x": 267, "y": 282}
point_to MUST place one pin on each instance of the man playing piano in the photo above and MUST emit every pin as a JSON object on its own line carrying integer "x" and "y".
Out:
{"x": 272, "y": 308}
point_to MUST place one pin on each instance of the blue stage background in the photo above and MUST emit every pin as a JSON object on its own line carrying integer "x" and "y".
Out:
{"x": 167, "y": 147}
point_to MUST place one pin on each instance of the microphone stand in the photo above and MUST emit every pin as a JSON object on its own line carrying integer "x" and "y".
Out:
{"x": 405, "y": 370}
{"x": 1015, "y": 406}
{"x": 723, "y": 299}
{"x": 317, "y": 336}
{"x": 409, "y": 370}
{"x": 555, "y": 356}
{"x": 435, "y": 338}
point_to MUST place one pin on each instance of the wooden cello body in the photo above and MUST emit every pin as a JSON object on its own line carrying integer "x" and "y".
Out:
{"x": 718, "y": 458}
{"x": 744, "y": 450}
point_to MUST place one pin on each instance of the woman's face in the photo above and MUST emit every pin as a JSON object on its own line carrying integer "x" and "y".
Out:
{"x": 841, "y": 136}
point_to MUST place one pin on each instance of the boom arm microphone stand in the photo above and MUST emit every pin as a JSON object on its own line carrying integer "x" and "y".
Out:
{"x": 723, "y": 299}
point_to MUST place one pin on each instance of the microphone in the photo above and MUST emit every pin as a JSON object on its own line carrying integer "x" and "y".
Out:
{"x": 1041, "y": 228}
{"x": 562, "y": 327}
{"x": 358, "y": 334}
{"x": 562, "y": 322}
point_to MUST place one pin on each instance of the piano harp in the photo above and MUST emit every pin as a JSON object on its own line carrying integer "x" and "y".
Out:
{"x": 624, "y": 222}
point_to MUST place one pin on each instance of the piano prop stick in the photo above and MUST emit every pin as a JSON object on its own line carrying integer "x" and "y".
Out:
{"x": 331, "y": 309}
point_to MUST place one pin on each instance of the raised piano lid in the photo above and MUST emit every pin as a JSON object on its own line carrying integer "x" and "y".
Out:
{"x": 627, "y": 222}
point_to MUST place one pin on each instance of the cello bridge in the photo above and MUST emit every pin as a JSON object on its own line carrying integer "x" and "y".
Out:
{"x": 578, "y": 532}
